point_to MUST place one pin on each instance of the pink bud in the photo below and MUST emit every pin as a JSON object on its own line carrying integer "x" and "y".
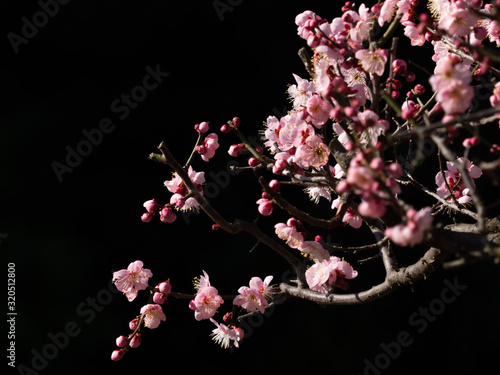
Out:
{"x": 313, "y": 40}
{"x": 121, "y": 341}
{"x": 226, "y": 128}
{"x": 419, "y": 89}
{"x": 165, "y": 287}
{"x": 342, "y": 187}
{"x": 318, "y": 238}
{"x": 215, "y": 226}
{"x": 395, "y": 170}
{"x": 410, "y": 76}
{"x": 279, "y": 166}
{"x": 395, "y": 94}
{"x": 377, "y": 164}
{"x": 146, "y": 217}
{"x": 133, "y": 324}
{"x": 275, "y": 185}
{"x": 236, "y": 149}
{"x": 203, "y": 127}
{"x": 227, "y": 317}
{"x": 159, "y": 298}
{"x": 151, "y": 206}
{"x": 399, "y": 66}
{"x": 293, "y": 222}
{"x": 117, "y": 354}
{"x": 180, "y": 202}
{"x": 265, "y": 195}
{"x": 253, "y": 162}
{"x": 265, "y": 207}
{"x": 136, "y": 340}
{"x": 384, "y": 123}
{"x": 236, "y": 121}
{"x": 167, "y": 215}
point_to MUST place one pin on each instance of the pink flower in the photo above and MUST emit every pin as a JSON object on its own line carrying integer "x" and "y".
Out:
{"x": 350, "y": 217}
{"x": 209, "y": 145}
{"x": 453, "y": 181}
{"x": 262, "y": 286}
{"x": 131, "y": 280}
{"x": 372, "y": 61}
{"x": 153, "y": 315}
{"x": 318, "y": 110}
{"x": 458, "y": 21}
{"x": 301, "y": 92}
{"x": 290, "y": 234}
{"x": 387, "y": 11}
{"x": 455, "y": 98}
{"x": 325, "y": 275}
{"x": 412, "y": 232}
{"x": 177, "y": 186}
{"x": 315, "y": 251}
{"x": 250, "y": 300}
{"x": 207, "y": 299}
{"x": 314, "y": 153}
{"x": 167, "y": 215}
{"x": 372, "y": 207}
{"x": 223, "y": 335}
{"x": 412, "y": 32}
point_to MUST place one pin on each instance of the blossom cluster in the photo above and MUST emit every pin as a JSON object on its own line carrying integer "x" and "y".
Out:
{"x": 205, "y": 304}
{"x": 338, "y": 143}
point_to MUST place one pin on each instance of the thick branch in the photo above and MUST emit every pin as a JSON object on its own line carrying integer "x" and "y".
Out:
{"x": 393, "y": 281}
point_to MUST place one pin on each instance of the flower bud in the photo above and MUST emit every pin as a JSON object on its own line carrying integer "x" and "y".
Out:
{"x": 165, "y": 287}
{"x": 167, "y": 215}
{"x": 236, "y": 121}
{"x": 117, "y": 354}
{"x": 226, "y": 128}
{"x": 265, "y": 206}
{"x": 227, "y": 317}
{"x": 253, "y": 162}
{"x": 293, "y": 222}
{"x": 133, "y": 324}
{"x": 279, "y": 166}
{"x": 151, "y": 206}
{"x": 342, "y": 187}
{"x": 121, "y": 341}
{"x": 146, "y": 217}
{"x": 136, "y": 340}
{"x": 215, "y": 226}
{"x": 202, "y": 128}
{"x": 399, "y": 66}
{"x": 236, "y": 149}
{"x": 275, "y": 185}
{"x": 318, "y": 238}
{"x": 159, "y": 298}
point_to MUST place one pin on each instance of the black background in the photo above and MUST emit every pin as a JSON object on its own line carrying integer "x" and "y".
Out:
{"x": 67, "y": 237}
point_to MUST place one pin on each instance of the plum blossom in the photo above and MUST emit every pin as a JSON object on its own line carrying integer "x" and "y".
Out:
{"x": 412, "y": 232}
{"x": 301, "y": 92}
{"x": 289, "y": 233}
{"x": 372, "y": 61}
{"x": 153, "y": 315}
{"x": 451, "y": 81}
{"x": 207, "y": 299}
{"x": 319, "y": 110}
{"x": 254, "y": 297}
{"x": 350, "y": 217}
{"x": 177, "y": 186}
{"x": 313, "y": 153}
{"x": 457, "y": 20}
{"x": 451, "y": 180}
{"x": 131, "y": 280}
{"x": 223, "y": 335}
{"x": 325, "y": 275}
{"x": 316, "y": 192}
{"x": 314, "y": 250}
{"x": 207, "y": 148}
